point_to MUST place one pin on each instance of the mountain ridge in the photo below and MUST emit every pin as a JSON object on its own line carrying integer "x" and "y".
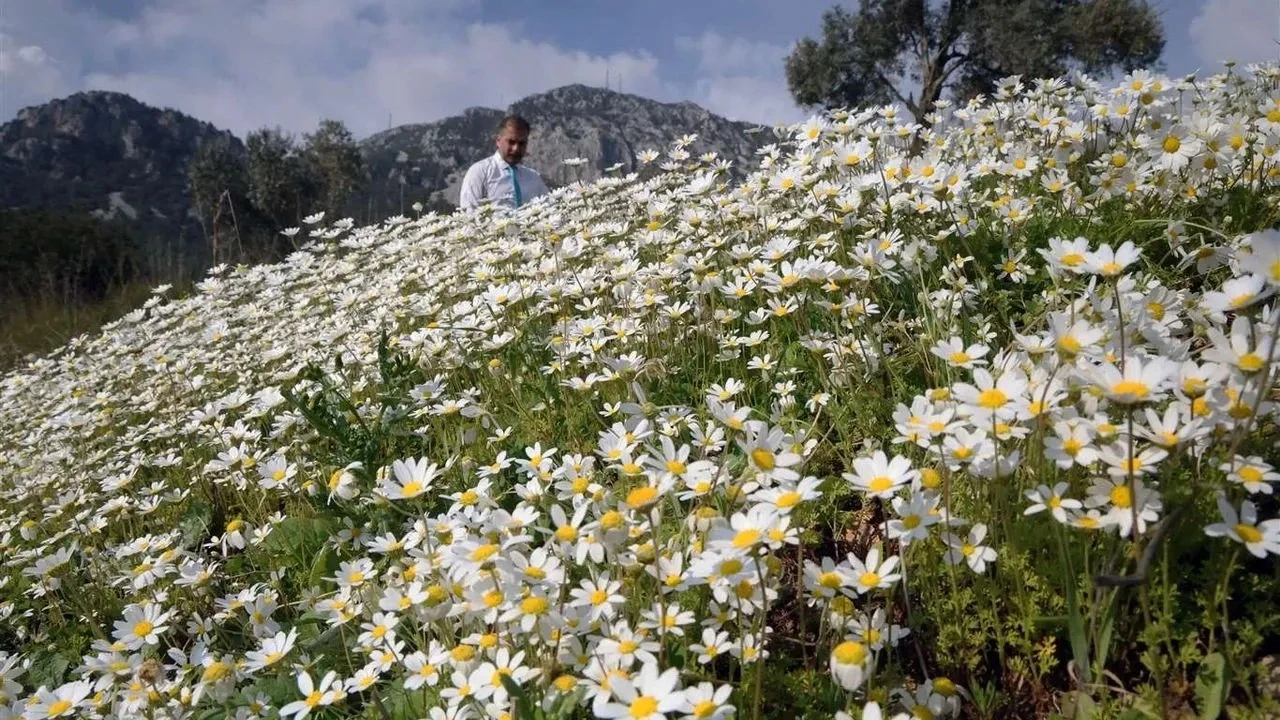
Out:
{"x": 118, "y": 157}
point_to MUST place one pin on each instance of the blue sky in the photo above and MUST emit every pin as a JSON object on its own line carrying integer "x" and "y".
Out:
{"x": 243, "y": 64}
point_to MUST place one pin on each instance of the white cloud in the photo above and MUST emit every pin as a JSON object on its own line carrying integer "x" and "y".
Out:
{"x": 1241, "y": 30}
{"x": 243, "y": 64}
{"x": 28, "y": 74}
{"x": 740, "y": 79}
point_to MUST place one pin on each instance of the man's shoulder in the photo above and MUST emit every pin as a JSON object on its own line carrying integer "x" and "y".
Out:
{"x": 480, "y": 165}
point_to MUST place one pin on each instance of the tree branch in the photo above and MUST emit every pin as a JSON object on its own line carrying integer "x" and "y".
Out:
{"x": 911, "y": 106}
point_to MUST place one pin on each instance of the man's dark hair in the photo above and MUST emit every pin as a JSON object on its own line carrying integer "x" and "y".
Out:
{"x": 514, "y": 121}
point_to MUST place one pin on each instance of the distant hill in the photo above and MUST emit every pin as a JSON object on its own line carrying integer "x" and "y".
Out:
{"x": 106, "y": 153}
{"x": 118, "y": 158}
{"x": 575, "y": 121}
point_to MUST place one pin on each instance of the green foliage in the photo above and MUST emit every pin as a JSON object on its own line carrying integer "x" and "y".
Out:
{"x": 334, "y": 159}
{"x": 868, "y": 56}
{"x": 282, "y": 185}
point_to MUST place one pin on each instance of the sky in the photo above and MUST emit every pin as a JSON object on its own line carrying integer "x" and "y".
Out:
{"x": 246, "y": 64}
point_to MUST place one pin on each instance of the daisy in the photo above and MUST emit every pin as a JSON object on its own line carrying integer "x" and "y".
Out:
{"x": 1071, "y": 445}
{"x": 848, "y": 664}
{"x": 770, "y": 459}
{"x": 62, "y": 702}
{"x": 1265, "y": 249}
{"x": 705, "y": 701}
{"x": 273, "y": 650}
{"x": 1252, "y": 472}
{"x": 991, "y": 397}
{"x": 827, "y": 579}
{"x": 880, "y": 477}
{"x": 970, "y": 549}
{"x": 872, "y": 574}
{"x": 957, "y": 355}
{"x": 1139, "y": 382}
{"x": 142, "y": 625}
{"x": 313, "y": 696}
{"x": 1109, "y": 262}
{"x": 1043, "y": 498}
{"x": 650, "y": 696}
{"x": 1067, "y": 255}
{"x": 915, "y": 516}
{"x": 1260, "y": 539}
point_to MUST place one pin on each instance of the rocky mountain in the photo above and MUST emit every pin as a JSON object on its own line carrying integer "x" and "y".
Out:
{"x": 602, "y": 126}
{"x": 107, "y": 153}
{"x": 119, "y": 158}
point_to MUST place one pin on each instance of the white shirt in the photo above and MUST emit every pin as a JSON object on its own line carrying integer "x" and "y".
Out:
{"x": 489, "y": 180}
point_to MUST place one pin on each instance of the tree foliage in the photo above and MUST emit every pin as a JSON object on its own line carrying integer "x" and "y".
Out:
{"x": 63, "y": 255}
{"x": 282, "y": 184}
{"x": 334, "y": 158}
{"x": 911, "y": 51}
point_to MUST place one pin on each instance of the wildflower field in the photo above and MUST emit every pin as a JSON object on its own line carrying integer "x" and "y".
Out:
{"x": 977, "y": 420}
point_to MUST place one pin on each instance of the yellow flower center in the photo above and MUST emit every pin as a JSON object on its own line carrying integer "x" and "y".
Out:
{"x": 566, "y": 533}
{"x": 746, "y": 538}
{"x": 730, "y": 567}
{"x": 483, "y": 552}
{"x": 911, "y": 522}
{"x": 704, "y": 709}
{"x": 215, "y": 672}
{"x": 930, "y": 478}
{"x": 1171, "y": 144}
{"x": 675, "y": 467}
{"x": 1130, "y": 388}
{"x": 764, "y": 458}
{"x": 462, "y": 653}
{"x": 611, "y": 520}
{"x": 850, "y": 652}
{"x": 1072, "y": 259}
{"x": 1249, "y": 533}
{"x": 533, "y": 605}
{"x": 869, "y": 579}
{"x": 880, "y": 483}
{"x": 59, "y": 707}
{"x": 143, "y": 628}
{"x": 565, "y": 683}
{"x": 960, "y": 358}
{"x": 598, "y": 597}
{"x": 642, "y": 496}
{"x": 1251, "y": 362}
{"x": 413, "y": 488}
{"x": 788, "y": 499}
{"x": 1121, "y": 497}
{"x": 830, "y": 580}
{"x": 1250, "y": 474}
{"x": 992, "y": 399}
{"x": 643, "y": 706}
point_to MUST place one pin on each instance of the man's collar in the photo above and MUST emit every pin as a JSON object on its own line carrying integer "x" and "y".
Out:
{"x": 498, "y": 156}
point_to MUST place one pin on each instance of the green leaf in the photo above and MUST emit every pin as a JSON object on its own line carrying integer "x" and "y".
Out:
{"x": 194, "y": 524}
{"x": 524, "y": 704}
{"x": 1211, "y": 686}
{"x": 1076, "y": 634}
{"x": 47, "y": 668}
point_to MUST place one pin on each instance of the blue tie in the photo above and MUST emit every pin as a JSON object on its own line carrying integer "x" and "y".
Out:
{"x": 515, "y": 184}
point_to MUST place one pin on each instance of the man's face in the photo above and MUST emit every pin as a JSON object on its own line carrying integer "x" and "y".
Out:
{"x": 512, "y": 144}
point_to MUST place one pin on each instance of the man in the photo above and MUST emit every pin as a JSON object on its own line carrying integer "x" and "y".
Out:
{"x": 500, "y": 178}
